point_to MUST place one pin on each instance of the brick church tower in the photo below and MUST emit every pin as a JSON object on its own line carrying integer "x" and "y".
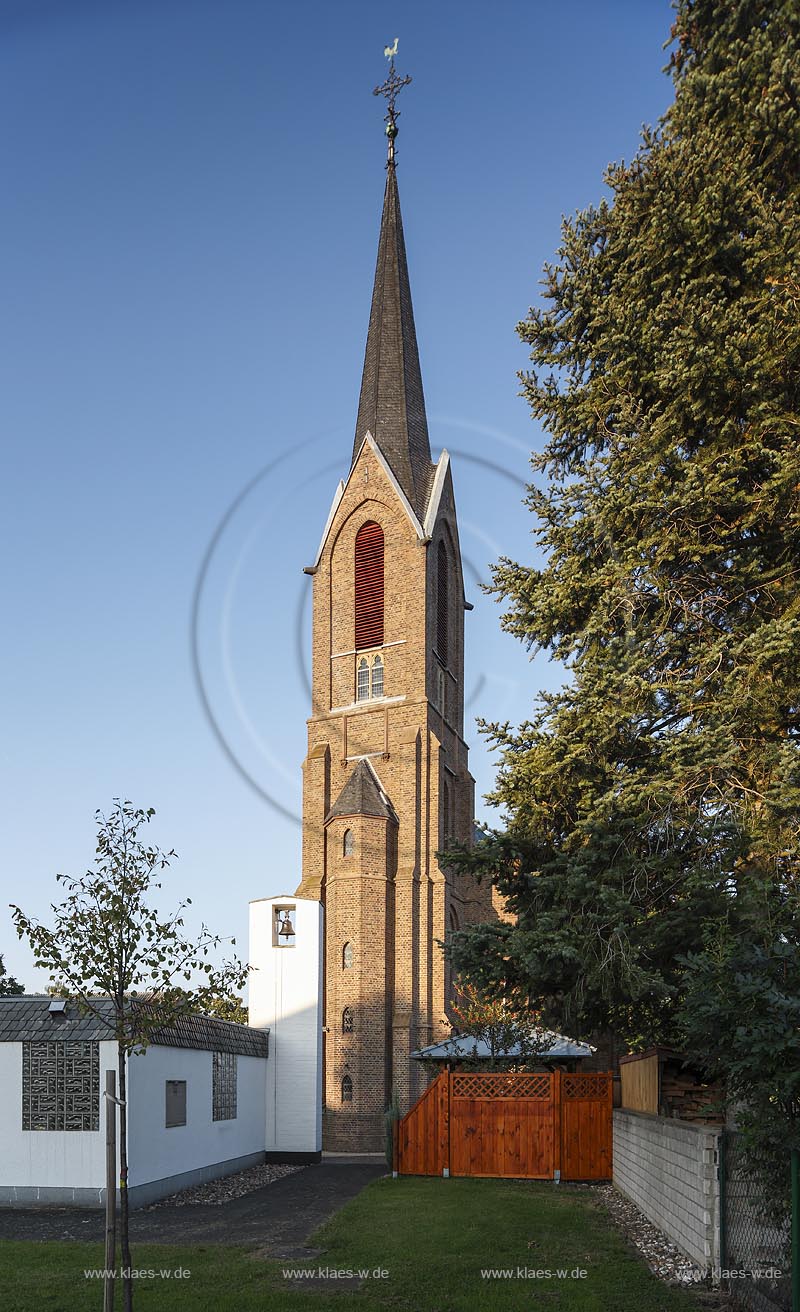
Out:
{"x": 386, "y": 781}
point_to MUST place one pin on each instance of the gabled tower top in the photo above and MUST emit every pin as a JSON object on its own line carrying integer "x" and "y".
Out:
{"x": 392, "y": 403}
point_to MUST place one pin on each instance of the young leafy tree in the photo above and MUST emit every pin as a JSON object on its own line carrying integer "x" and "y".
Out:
{"x": 495, "y": 1021}
{"x": 108, "y": 945}
{"x": 659, "y": 790}
{"x": 9, "y": 987}
{"x": 228, "y": 1007}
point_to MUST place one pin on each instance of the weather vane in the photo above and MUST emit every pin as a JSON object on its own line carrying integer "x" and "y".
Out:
{"x": 390, "y": 89}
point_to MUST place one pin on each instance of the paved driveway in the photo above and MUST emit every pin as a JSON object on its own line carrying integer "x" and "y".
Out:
{"x": 277, "y": 1219}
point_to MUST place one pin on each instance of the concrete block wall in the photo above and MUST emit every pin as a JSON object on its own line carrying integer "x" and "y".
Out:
{"x": 668, "y": 1168}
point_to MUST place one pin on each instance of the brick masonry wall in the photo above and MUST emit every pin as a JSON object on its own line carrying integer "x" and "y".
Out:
{"x": 391, "y": 900}
{"x": 669, "y": 1169}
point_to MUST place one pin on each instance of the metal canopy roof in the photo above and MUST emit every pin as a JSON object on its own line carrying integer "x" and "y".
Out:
{"x": 465, "y": 1047}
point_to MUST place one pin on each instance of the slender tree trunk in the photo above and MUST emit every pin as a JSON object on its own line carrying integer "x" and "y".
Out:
{"x": 125, "y": 1246}
{"x": 111, "y": 1192}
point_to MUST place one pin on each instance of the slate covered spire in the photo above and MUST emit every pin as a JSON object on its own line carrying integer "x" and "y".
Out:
{"x": 392, "y": 404}
{"x": 363, "y": 794}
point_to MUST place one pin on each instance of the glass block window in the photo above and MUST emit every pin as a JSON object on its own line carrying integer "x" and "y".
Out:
{"x": 223, "y": 1086}
{"x": 61, "y": 1086}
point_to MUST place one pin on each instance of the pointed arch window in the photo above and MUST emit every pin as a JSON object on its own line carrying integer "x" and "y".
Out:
{"x": 369, "y": 678}
{"x": 362, "y": 690}
{"x": 446, "y": 812}
{"x": 347, "y": 956}
{"x": 347, "y": 1020}
{"x": 348, "y": 843}
{"x": 369, "y": 586}
{"x": 442, "y": 605}
{"x": 347, "y": 1089}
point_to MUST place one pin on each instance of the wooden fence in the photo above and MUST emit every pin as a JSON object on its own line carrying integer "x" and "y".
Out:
{"x": 534, "y": 1127}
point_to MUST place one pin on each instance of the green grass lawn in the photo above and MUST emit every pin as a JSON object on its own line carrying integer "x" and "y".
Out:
{"x": 432, "y": 1236}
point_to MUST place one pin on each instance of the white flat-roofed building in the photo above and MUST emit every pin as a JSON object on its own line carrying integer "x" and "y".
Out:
{"x": 196, "y": 1104}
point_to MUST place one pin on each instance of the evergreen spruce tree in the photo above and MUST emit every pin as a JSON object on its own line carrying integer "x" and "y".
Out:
{"x": 657, "y": 795}
{"x": 9, "y": 986}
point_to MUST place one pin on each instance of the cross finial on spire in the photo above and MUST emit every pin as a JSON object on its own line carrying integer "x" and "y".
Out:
{"x": 390, "y": 89}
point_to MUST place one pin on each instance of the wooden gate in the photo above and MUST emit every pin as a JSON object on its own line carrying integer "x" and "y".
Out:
{"x": 534, "y": 1127}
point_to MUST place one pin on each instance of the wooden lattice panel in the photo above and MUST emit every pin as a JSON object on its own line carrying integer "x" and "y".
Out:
{"x": 592, "y": 1087}
{"x": 537, "y": 1087}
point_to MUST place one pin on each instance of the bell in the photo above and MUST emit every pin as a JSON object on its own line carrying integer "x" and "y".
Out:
{"x": 286, "y": 930}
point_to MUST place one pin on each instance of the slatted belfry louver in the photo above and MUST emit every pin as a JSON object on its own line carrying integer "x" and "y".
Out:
{"x": 369, "y": 586}
{"x": 442, "y": 605}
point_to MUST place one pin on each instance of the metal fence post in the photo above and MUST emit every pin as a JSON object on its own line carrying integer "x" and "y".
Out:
{"x": 795, "y": 1230}
{"x": 722, "y": 1176}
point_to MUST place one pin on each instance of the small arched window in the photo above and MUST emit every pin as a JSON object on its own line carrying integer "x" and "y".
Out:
{"x": 369, "y": 678}
{"x": 347, "y": 956}
{"x": 362, "y": 690}
{"x": 442, "y": 605}
{"x": 347, "y": 1020}
{"x": 369, "y": 586}
{"x": 347, "y": 1089}
{"x": 348, "y": 843}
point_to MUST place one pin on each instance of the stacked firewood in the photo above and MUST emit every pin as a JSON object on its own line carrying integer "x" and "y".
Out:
{"x": 686, "y": 1096}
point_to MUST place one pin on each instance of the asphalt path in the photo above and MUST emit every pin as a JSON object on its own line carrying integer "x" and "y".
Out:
{"x": 278, "y": 1219}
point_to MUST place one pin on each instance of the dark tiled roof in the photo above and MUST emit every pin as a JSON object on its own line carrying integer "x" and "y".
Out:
{"x": 363, "y": 795}
{"x": 213, "y": 1035}
{"x": 392, "y": 404}
{"x": 26, "y": 1019}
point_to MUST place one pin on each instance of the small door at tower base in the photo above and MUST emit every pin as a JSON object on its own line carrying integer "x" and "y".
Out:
{"x": 285, "y": 990}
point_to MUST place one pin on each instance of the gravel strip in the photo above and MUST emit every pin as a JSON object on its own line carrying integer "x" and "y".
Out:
{"x": 227, "y": 1187}
{"x": 663, "y": 1258}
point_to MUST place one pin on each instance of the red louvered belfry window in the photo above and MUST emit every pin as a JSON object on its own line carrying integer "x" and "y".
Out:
{"x": 369, "y": 586}
{"x": 442, "y": 604}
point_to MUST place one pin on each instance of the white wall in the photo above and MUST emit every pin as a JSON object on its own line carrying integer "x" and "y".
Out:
{"x": 160, "y": 1154}
{"x": 65, "y": 1167}
{"x": 669, "y": 1169}
{"x": 36, "y": 1163}
{"x": 285, "y": 993}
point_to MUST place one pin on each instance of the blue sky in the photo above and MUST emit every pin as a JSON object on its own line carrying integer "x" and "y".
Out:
{"x": 189, "y": 223}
